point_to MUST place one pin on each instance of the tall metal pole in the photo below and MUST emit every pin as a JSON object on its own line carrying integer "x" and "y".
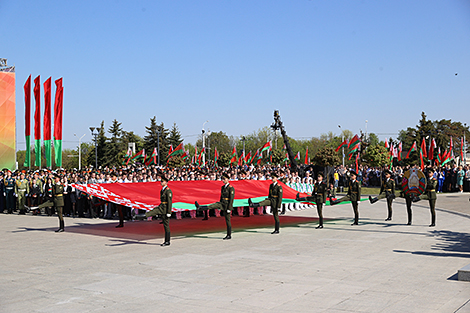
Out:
{"x": 342, "y": 140}
{"x": 204, "y": 143}
{"x": 158, "y": 147}
{"x": 366, "y": 130}
{"x": 464, "y": 146}
{"x": 79, "y": 151}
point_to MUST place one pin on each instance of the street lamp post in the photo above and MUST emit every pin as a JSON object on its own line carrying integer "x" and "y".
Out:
{"x": 204, "y": 143}
{"x": 79, "y": 151}
{"x": 342, "y": 140}
{"x": 95, "y": 135}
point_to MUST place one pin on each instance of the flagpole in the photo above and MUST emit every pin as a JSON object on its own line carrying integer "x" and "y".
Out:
{"x": 464, "y": 146}
{"x": 204, "y": 142}
{"x": 342, "y": 140}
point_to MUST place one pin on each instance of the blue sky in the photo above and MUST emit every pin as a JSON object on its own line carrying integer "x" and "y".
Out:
{"x": 320, "y": 63}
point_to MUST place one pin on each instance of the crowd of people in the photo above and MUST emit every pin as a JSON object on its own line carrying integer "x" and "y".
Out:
{"x": 24, "y": 189}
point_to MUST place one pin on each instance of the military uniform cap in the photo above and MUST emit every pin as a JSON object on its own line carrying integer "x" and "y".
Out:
{"x": 320, "y": 174}
{"x": 387, "y": 172}
{"x": 225, "y": 175}
{"x": 164, "y": 178}
{"x": 274, "y": 174}
{"x": 353, "y": 173}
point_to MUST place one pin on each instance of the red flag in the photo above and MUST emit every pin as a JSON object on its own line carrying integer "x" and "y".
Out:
{"x": 47, "y": 122}
{"x": 451, "y": 148}
{"x": 234, "y": 155}
{"x": 306, "y": 157}
{"x": 423, "y": 148}
{"x": 354, "y": 141}
{"x": 400, "y": 148}
{"x": 431, "y": 149}
{"x": 421, "y": 157}
{"x": 343, "y": 144}
{"x": 171, "y": 150}
{"x": 386, "y": 144}
{"x": 248, "y": 157}
{"x": 27, "y": 120}
{"x": 461, "y": 150}
{"x": 216, "y": 157}
{"x": 357, "y": 165}
{"x": 413, "y": 148}
{"x": 37, "y": 120}
{"x": 58, "y": 108}
{"x": 177, "y": 151}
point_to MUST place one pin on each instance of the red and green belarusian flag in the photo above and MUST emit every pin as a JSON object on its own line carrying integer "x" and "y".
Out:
{"x": 234, "y": 155}
{"x": 423, "y": 149}
{"x": 267, "y": 146}
{"x": 139, "y": 155}
{"x": 58, "y": 108}
{"x": 431, "y": 149}
{"x": 353, "y": 145}
{"x": 400, "y": 150}
{"x": 306, "y": 162}
{"x": 153, "y": 158}
{"x": 216, "y": 157}
{"x": 343, "y": 144}
{"x": 461, "y": 150}
{"x": 27, "y": 120}
{"x": 451, "y": 148}
{"x": 414, "y": 147}
{"x": 47, "y": 122}
{"x": 185, "y": 155}
{"x": 199, "y": 158}
{"x": 248, "y": 158}
{"x": 37, "y": 121}
{"x": 179, "y": 150}
{"x": 297, "y": 157}
{"x": 127, "y": 157}
{"x": 386, "y": 144}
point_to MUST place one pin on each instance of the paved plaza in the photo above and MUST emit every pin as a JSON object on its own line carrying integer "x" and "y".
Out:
{"x": 377, "y": 266}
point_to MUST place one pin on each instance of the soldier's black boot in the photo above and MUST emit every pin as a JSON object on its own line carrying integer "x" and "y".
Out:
{"x": 320, "y": 225}
{"x": 433, "y": 221}
{"x": 251, "y": 204}
{"x": 167, "y": 240}
{"x": 61, "y": 227}
{"x": 229, "y": 233}
{"x": 409, "y": 216}
{"x": 373, "y": 200}
{"x": 415, "y": 198}
{"x": 333, "y": 202}
{"x": 276, "y": 228}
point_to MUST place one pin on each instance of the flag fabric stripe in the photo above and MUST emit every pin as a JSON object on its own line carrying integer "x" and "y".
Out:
{"x": 58, "y": 106}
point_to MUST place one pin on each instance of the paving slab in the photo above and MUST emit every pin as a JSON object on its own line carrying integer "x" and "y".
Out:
{"x": 377, "y": 266}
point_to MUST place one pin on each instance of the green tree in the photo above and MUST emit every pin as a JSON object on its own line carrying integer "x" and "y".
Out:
{"x": 376, "y": 155}
{"x": 326, "y": 157}
{"x": 174, "y": 136}
{"x": 114, "y": 148}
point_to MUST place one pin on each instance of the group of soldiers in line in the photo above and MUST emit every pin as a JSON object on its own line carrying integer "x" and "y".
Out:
{"x": 21, "y": 187}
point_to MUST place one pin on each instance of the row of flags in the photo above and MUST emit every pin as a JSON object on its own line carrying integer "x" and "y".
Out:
{"x": 152, "y": 159}
{"x": 58, "y": 108}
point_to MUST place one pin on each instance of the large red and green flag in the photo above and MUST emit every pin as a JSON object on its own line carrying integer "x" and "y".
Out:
{"x": 423, "y": 148}
{"x": 260, "y": 157}
{"x": 47, "y": 122}
{"x": 241, "y": 159}
{"x": 421, "y": 158}
{"x": 199, "y": 158}
{"x": 248, "y": 158}
{"x": 267, "y": 146}
{"x": 127, "y": 157}
{"x": 343, "y": 144}
{"x": 216, "y": 157}
{"x": 431, "y": 149}
{"x": 37, "y": 121}
{"x": 58, "y": 108}
{"x": 256, "y": 156}
{"x": 306, "y": 162}
{"x": 27, "y": 121}
{"x": 234, "y": 155}
{"x": 439, "y": 156}
{"x": 153, "y": 158}
{"x": 386, "y": 144}
{"x": 413, "y": 148}
{"x": 297, "y": 157}
{"x": 400, "y": 150}
{"x": 461, "y": 150}
{"x": 139, "y": 155}
{"x": 451, "y": 148}
{"x": 170, "y": 151}
{"x": 286, "y": 159}
{"x": 354, "y": 142}
{"x": 354, "y": 149}
{"x": 178, "y": 151}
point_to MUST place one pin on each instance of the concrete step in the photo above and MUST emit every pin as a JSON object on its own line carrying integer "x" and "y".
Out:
{"x": 464, "y": 273}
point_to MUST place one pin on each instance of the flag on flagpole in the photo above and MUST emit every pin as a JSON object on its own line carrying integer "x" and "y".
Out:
{"x": 216, "y": 157}
{"x": 297, "y": 157}
{"x": 139, "y": 155}
{"x": 431, "y": 149}
{"x": 234, "y": 155}
{"x": 461, "y": 149}
{"x": 27, "y": 121}
{"x": 357, "y": 164}
{"x": 400, "y": 150}
{"x": 423, "y": 148}
{"x": 37, "y": 121}
{"x": 177, "y": 151}
{"x": 152, "y": 159}
{"x": 386, "y": 144}
{"x": 47, "y": 122}
{"x": 248, "y": 158}
{"x": 267, "y": 146}
{"x": 306, "y": 161}
{"x": 58, "y": 109}
{"x": 199, "y": 158}
{"x": 451, "y": 148}
{"x": 343, "y": 144}
{"x": 127, "y": 157}
{"x": 413, "y": 148}
{"x": 354, "y": 141}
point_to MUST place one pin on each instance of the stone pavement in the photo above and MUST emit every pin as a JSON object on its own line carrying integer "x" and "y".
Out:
{"x": 377, "y": 266}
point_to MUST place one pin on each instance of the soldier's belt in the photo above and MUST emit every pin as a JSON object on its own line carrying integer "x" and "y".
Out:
{"x": 430, "y": 189}
{"x": 275, "y": 196}
{"x": 225, "y": 199}
{"x": 21, "y": 189}
{"x": 164, "y": 202}
{"x": 9, "y": 187}
{"x": 388, "y": 189}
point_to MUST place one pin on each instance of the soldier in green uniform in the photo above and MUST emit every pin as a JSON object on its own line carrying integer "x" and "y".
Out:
{"x": 430, "y": 195}
{"x": 164, "y": 209}
{"x": 274, "y": 200}
{"x": 21, "y": 191}
{"x": 57, "y": 201}
{"x": 227, "y": 195}
{"x": 387, "y": 190}
{"x": 9, "y": 185}
{"x": 35, "y": 189}
{"x": 319, "y": 195}
{"x": 353, "y": 195}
